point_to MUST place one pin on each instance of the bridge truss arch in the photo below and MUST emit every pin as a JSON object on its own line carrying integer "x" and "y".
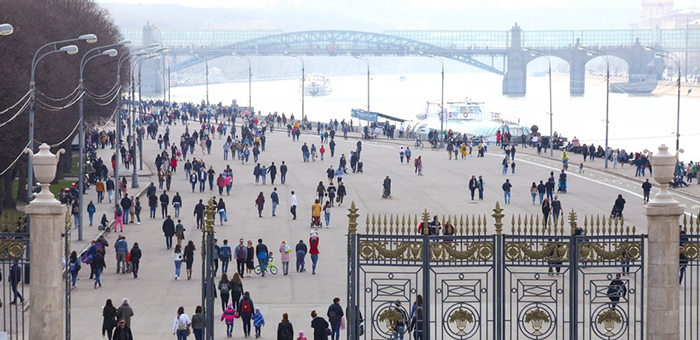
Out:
{"x": 335, "y": 43}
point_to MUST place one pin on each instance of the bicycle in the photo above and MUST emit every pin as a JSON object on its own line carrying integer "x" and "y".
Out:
{"x": 418, "y": 145}
{"x": 271, "y": 268}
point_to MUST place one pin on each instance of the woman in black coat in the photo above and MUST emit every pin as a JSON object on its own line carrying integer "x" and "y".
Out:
{"x": 109, "y": 319}
{"x": 285, "y": 330}
{"x": 189, "y": 258}
{"x": 320, "y": 326}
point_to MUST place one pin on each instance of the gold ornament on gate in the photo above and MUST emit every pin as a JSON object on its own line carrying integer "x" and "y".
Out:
{"x": 537, "y": 318}
{"x": 460, "y": 318}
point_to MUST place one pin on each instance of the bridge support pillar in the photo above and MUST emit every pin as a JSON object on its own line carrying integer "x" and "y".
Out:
{"x": 577, "y": 76}
{"x": 515, "y": 79}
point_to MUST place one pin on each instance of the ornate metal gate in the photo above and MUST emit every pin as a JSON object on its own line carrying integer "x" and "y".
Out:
{"x": 689, "y": 279}
{"x": 540, "y": 281}
{"x": 14, "y": 269}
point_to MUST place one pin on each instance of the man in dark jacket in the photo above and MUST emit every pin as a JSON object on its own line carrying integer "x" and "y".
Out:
{"x": 320, "y": 326}
{"x": 646, "y": 187}
{"x": 199, "y": 213}
{"x": 261, "y": 252}
{"x": 301, "y": 251}
{"x": 283, "y": 172}
{"x": 335, "y": 314}
{"x": 110, "y": 188}
{"x": 272, "y": 170}
{"x": 616, "y": 290}
{"x": 123, "y": 332}
{"x": 126, "y": 205}
{"x": 164, "y": 201}
{"x": 15, "y": 278}
{"x": 169, "y": 232}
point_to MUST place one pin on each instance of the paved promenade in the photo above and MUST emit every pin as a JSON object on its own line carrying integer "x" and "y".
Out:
{"x": 155, "y": 295}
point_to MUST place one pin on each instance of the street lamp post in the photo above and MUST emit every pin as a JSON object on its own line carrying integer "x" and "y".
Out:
{"x": 537, "y": 53}
{"x": 206, "y": 63}
{"x": 368, "y": 80}
{"x": 443, "y": 122}
{"x": 250, "y": 80}
{"x": 303, "y": 78}
{"x": 81, "y": 124}
{"x": 70, "y": 49}
{"x": 6, "y": 29}
{"x": 591, "y": 53}
{"x": 667, "y": 55}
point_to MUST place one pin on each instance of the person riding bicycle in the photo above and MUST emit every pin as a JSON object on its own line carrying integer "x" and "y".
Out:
{"x": 418, "y": 141}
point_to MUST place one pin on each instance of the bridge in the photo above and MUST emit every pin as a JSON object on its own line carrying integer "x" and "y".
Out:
{"x": 189, "y": 48}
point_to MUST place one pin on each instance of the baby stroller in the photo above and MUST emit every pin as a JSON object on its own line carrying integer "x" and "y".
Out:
{"x": 359, "y": 167}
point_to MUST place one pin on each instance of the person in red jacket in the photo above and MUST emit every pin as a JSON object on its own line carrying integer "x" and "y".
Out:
{"x": 313, "y": 242}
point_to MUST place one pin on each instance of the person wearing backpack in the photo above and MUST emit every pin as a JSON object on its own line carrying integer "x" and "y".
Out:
{"x": 225, "y": 256}
{"x": 241, "y": 254}
{"x": 74, "y": 267}
{"x": 335, "y": 316}
{"x": 121, "y": 247}
{"x": 181, "y": 325}
{"x": 245, "y": 310}
{"x": 224, "y": 290}
{"x": 118, "y": 217}
{"x": 285, "y": 330}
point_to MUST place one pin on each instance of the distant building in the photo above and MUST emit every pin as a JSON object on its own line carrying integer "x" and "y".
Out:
{"x": 661, "y": 14}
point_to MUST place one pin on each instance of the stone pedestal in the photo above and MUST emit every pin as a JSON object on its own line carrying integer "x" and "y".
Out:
{"x": 47, "y": 289}
{"x": 663, "y": 312}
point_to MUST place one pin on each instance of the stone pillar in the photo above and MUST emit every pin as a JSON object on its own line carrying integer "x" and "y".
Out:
{"x": 663, "y": 213}
{"x": 515, "y": 77}
{"x": 46, "y": 288}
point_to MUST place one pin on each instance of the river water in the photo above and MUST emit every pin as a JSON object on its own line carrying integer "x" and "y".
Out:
{"x": 636, "y": 122}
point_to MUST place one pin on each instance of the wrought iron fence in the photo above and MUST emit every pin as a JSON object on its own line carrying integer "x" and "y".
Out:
{"x": 14, "y": 274}
{"x": 540, "y": 281}
{"x": 689, "y": 278}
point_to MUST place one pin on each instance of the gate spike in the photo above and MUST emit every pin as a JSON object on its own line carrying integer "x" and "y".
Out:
{"x": 367, "y": 222}
{"x": 486, "y": 224}
{"x": 478, "y": 222}
{"x": 416, "y": 222}
{"x": 403, "y": 224}
{"x": 628, "y": 230}
{"x": 585, "y": 221}
{"x": 634, "y": 229}
{"x": 519, "y": 224}
{"x": 374, "y": 224}
{"x": 512, "y": 223}
{"x": 409, "y": 224}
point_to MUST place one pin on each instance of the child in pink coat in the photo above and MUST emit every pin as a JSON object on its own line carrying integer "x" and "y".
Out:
{"x": 229, "y": 315}
{"x": 301, "y": 336}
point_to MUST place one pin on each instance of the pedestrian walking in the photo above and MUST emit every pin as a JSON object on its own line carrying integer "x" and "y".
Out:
{"x": 189, "y": 258}
{"x": 301, "y": 251}
{"x": 229, "y": 316}
{"x": 181, "y": 324}
{"x": 285, "y": 330}
{"x": 169, "y": 232}
{"x": 97, "y": 265}
{"x": 225, "y": 256}
{"x": 545, "y": 212}
{"x": 122, "y": 332}
{"x": 177, "y": 258}
{"x": 135, "y": 259}
{"x": 245, "y": 310}
{"x": 224, "y": 291}
{"x": 293, "y": 208}
{"x": 646, "y": 188}
{"x": 275, "y": 200}
{"x": 285, "y": 256}
{"x": 320, "y": 326}
{"x": 109, "y": 319}
{"x": 91, "y": 211}
{"x": 262, "y": 253}
{"x": 260, "y": 203}
{"x": 313, "y": 242}
{"x": 250, "y": 258}
{"x": 236, "y": 289}
{"x": 506, "y": 191}
{"x": 327, "y": 213}
{"x": 258, "y": 322}
{"x": 472, "y": 186}
{"x": 316, "y": 214}
{"x": 118, "y": 218}
{"x": 198, "y": 323}
{"x": 121, "y": 248}
{"x": 125, "y": 312}
{"x": 335, "y": 317}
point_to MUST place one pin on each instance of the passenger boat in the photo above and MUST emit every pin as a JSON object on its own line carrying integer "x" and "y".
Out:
{"x": 317, "y": 84}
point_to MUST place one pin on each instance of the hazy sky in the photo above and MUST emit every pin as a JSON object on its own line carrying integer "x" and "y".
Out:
{"x": 422, "y": 4}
